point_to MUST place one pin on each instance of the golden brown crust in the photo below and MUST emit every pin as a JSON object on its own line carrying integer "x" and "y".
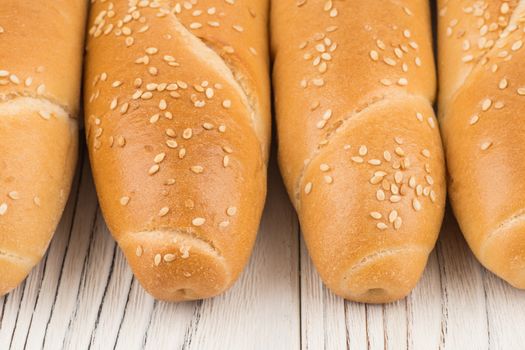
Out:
{"x": 39, "y": 89}
{"x": 359, "y": 145}
{"x": 482, "y": 129}
{"x": 42, "y": 43}
{"x": 178, "y": 125}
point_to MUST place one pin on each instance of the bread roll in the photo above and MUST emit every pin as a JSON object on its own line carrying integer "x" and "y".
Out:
{"x": 359, "y": 145}
{"x": 482, "y": 97}
{"x": 177, "y": 102}
{"x": 40, "y": 67}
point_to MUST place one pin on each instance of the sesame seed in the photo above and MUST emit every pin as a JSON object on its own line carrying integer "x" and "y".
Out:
{"x": 394, "y": 189}
{"x": 327, "y": 114}
{"x": 159, "y": 157}
{"x": 197, "y": 169}
{"x": 3, "y": 209}
{"x": 308, "y": 188}
{"x": 431, "y": 122}
{"x": 45, "y": 115}
{"x": 363, "y": 150}
{"x": 382, "y": 226}
{"x": 485, "y": 105}
{"x": 328, "y": 179}
{"x": 164, "y": 211}
{"x": 357, "y": 160}
{"x": 376, "y": 215}
{"x": 474, "y": 119}
{"x": 467, "y": 58}
{"x": 187, "y": 133}
{"x": 169, "y": 258}
{"x": 402, "y": 82}
{"x": 171, "y": 143}
{"x": 397, "y": 223}
{"x": 14, "y": 79}
{"x": 399, "y": 151}
{"x": 521, "y": 91}
{"x": 380, "y": 195}
{"x": 152, "y": 50}
{"x": 324, "y": 167}
{"x": 389, "y": 61}
{"x": 154, "y": 118}
{"x": 231, "y": 211}
{"x": 157, "y": 259}
{"x": 416, "y": 204}
{"x": 198, "y": 221}
{"x": 124, "y": 200}
{"x": 392, "y": 216}
{"x": 124, "y": 108}
{"x": 154, "y": 169}
{"x": 486, "y": 145}
{"x": 13, "y": 195}
{"x": 395, "y": 198}
{"x": 374, "y": 55}
{"x": 398, "y": 177}
{"x": 146, "y": 96}
{"x": 139, "y": 251}
{"x": 226, "y": 103}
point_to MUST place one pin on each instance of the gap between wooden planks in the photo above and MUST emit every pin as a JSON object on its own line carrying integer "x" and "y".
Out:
{"x": 83, "y": 296}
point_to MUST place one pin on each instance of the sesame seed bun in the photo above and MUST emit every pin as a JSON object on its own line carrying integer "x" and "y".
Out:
{"x": 178, "y": 123}
{"x": 483, "y": 93}
{"x": 40, "y": 69}
{"x": 359, "y": 145}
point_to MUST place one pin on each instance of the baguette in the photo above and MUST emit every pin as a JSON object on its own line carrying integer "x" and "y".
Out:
{"x": 359, "y": 145}
{"x": 40, "y": 67}
{"x": 482, "y": 95}
{"x": 178, "y": 124}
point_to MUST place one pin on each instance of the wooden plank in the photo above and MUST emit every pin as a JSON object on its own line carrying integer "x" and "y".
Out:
{"x": 322, "y": 313}
{"x": 464, "y": 310}
{"x": 114, "y": 306}
{"x": 424, "y": 309}
{"x": 10, "y": 316}
{"x": 356, "y": 326}
{"x": 65, "y": 302}
{"x": 97, "y": 270}
{"x": 505, "y": 313}
{"x": 136, "y": 319}
{"x": 396, "y": 325}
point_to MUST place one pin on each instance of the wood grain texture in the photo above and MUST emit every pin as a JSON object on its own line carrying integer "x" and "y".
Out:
{"x": 83, "y": 295}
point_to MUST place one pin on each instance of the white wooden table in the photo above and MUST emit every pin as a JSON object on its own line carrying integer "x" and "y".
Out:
{"x": 83, "y": 296}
